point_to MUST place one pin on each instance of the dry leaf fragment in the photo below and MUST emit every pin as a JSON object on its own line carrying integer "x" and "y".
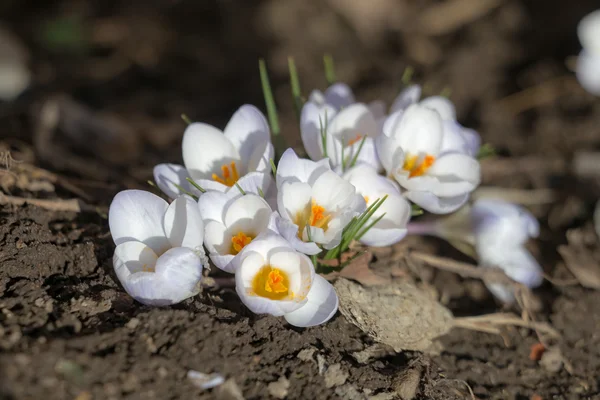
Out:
{"x": 400, "y": 316}
{"x": 580, "y": 260}
{"x": 359, "y": 271}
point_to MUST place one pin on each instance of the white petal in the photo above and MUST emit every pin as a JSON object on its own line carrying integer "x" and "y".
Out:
{"x": 253, "y": 182}
{"x": 377, "y": 108}
{"x": 407, "y": 97}
{"x": 206, "y": 149}
{"x": 376, "y": 237}
{"x": 454, "y": 140}
{"x": 473, "y": 141}
{"x": 321, "y": 306}
{"x": 354, "y": 120}
{"x": 504, "y": 293}
{"x": 516, "y": 262}
{"x": 587, "y": 72}
{"x": 293, "y": 198}
{"x": 369, "y": 183}
{"x": 588, "y": 31}
{"x": 212, "y": 205}
{"x": 313, "y": 118}
{"x": 434, "y": 204}
{"x": 368, "y": 153}
{"x": 216, "y": 238}
{"x": 339, "y": 95}
{"x": 247, "y": 129}
{"x": 264, "y": 245}
{"x": 167, "y": 176}
{"x": 137, "y": 215}
{"x": 442, "y": 105}
{"x": 420, "y": 130}
{"x": 183, "y": 224}
{"x": 178, "y": 273}
{"x": 260, "y": 159}
{"x": 132, "y": 257}
{"x": 317, "y": 97}
{"x": 389, "y": 152}
{"x": 289, "y": 231}
{"x": 296, "y": 169}
{"x": 452, "y": 168}
{"x": 224, "y": 262}
{"x": 333, "y": 192}
{"x": 392, "y": 227}
{"x": 249, "y": 214}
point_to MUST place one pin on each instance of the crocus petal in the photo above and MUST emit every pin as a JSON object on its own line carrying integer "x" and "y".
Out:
{"x": 131, "y": 258}
{"x": 354, "y": 120}
{"x": 502, "y": 292}
{"x": 177, "y": 275}
{"x": 516, "y": 262}
{"x": 420, "y": 130}
{"x": 295, "y": 169}
{"x": 434, "y": 204}
{"x": 452, "y": 168}
{"x": 260, "y": 159}
{"x": 333, "y": 192}
{"x": 247, "y": 129}
{"x": 289, "y": 231}
{"x": 339, "y": 95}
{"x": 442, "y": 105}
{"x": 183, "y": 224}
{"x": 206, "y": 150}
{"x": 212, "y": 205}
{"x": 264, "y": 245}
{"x": 473, "y": 141}
{"x": 389, "y": 152}
{"x": 253, "y": 182}
{"x": 321, "y": 306}
{"x": 223, "y": 261}
{"x": 137, "y": 215}
{"x": 317, "y": 97}
{"x": 407, "y": 97}
{"x": 377, "y": 108}
{"x": 248, "y": 214}
{"x": 587, "y": 72}
{"x": 169, "y": 176}
{"x": 313, "y": 118}
{"x": 367, "y": 155}
{"x": 216, "y": 239}
{"x": 392, "y": 227}
{"x": 293, "y": 198}
{"x": 297, "y": 266}
{"x": 588, "y": 31}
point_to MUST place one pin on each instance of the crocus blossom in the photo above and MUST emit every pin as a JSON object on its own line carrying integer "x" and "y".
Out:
{"x": 159, "y": 256}
{"x": 411, "y": 151}
{"x": 501, "y": 230}
{"x": 231, "y": 223}
{"x": 394, "y": 212}
{"x": 315, "y": 204}
{"x": 218, "y": 160}
{"x": 273, "y": 278}
{"x": 588, "y": 62}
{"x": 334, "y": 126}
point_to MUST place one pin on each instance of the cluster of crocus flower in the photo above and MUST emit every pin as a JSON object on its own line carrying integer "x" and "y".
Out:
{"x": 269, "y": 224}
{"x": 588, "y": 62}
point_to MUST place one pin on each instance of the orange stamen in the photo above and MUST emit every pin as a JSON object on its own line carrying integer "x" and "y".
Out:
{"x": 230, "y": 175}
{"x": 271, "y": 283}
{"x": 356, "y": 139}
{"x": 416, "y": 168}
{"x": 239, "y": 241}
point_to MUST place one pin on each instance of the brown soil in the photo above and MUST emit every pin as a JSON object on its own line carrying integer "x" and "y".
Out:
{"x": 68, "y": 330}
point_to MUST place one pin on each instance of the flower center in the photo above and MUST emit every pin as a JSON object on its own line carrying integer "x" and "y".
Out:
{"x": 417, "y": 166}
{"x": 147, "y": 268}
{"x": 230, "y": 175}
{"x": 271, "y": 283}
{"x": 313, "y": 215}
{"x": 355, "y": 140}
{"x": 239, "y": 241}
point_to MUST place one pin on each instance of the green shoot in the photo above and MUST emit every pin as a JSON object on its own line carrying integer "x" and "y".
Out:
{"x": 194, "y": 184}
{"x": 273, "y": 167}
{"x": 182, "y": 190}
{"x": 372, "y": 224}
{"x": 486, "y": 151}
{"x": 415, "y": 210}
{"x": 360, "y": 146}
{"x": 407, "y": 75}
{"x": 151, "y": 183}
{"x": 261, "y": 193}
{"x": 329, "y": 69}
{"x": 186, "y": 119}
{"x": 242, "y": 191}
{"x": 446, "y": 92}
{"x": 295, "y": 84}
{"x": 268, "y": 95}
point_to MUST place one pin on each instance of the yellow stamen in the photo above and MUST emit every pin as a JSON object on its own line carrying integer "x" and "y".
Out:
{"x": 366, "y": 199}
{"x": 271, "y": 283}
{"x": 147, "y": 268}
{"x": 230, "y": 175}
{"x": 417, "y": 167}
{"x": 239, "y": 241}
{"x": 355, "y": 140}
{"x": 313, "y": 215}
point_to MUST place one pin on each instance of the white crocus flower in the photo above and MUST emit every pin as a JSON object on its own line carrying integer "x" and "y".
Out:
{"x": 159, "y": 254}
{"x": 501, "y": 230}
{"x": 457, "y": 138}
{"x": 218, "y": 160}
{"x": 411, "y": 150}
{"x": 314, "y": 203}
{"x": 231, "y": 223}
{"x": 273, "y": 278}
{"x": 344, "y": 125}
{"x": 588, "y": 62}
{"x": 395, "y": 209}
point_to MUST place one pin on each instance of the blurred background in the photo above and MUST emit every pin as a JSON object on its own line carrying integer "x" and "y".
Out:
{"x": 95, "y": 89}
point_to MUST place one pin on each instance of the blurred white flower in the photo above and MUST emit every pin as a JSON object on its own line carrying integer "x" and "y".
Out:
{"x": 344, "y": 125}
{"x": 501, "y": 230}
{"x": 314, "y": 203}
{"x": 217, "y": 160}
{"x": 272, "y": 278}
{"x": 588, "y": 62}
{"x": 372, "y": 186}
{"x": 159, "y": 256}
{"x": 231, "y": 223}
{"x": 411, "y": 150}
